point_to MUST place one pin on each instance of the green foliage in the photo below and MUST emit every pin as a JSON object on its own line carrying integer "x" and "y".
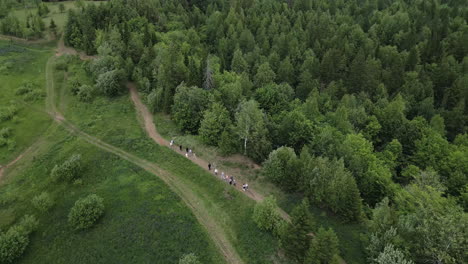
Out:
{"x": 281, "y": 167}
{"x": 266, "y": 214}
{"x": 43, "y": 202}
{"x": 7, "y": 113}
{"x": 251, "y": 128}
{"x": 189, "y": 106}
{"x": 296, "y": 238}
{"x": 69, "y": 170}
{"x": 86, "y": 212}
{"x": 215, "y": 121}
{"x": 391, "y": 255}
{"x": 86, "y": 93}
{"x": 110, "y": 83}
{"x": 14, "y": 242}
{"x": 323, "y": 248}
{"x": 189, "y": 259}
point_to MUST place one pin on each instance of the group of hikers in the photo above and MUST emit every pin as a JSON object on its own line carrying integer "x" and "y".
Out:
{"x": 224, "y": 177}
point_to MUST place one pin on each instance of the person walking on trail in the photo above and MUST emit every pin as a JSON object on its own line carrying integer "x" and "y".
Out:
{"x": 230, "y": 180}
{"x": 180, "y": 147}
{"x": 222, "y": 175}
{"x": 190, "y": 152}
{"x": 186, "y": 155}
{"x": 171, "y": 143}
{"x": 233, "y": 181}
{"x": 216, "y": 171}
{"x": 209, "y": 166}
{"x": 186, "y": 150}
{"x": 245, "y": 187}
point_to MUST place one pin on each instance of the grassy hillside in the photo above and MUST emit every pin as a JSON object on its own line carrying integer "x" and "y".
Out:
{"x": 144, "y": 222}
{"x": 20, "y": 110}
{"x": 114, "y": 121}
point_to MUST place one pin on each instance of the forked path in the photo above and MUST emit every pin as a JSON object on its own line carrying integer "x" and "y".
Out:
{"x": 199, "y": 209}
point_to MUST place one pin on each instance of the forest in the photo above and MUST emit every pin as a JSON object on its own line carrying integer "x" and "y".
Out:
{"x": 359, "y": 107}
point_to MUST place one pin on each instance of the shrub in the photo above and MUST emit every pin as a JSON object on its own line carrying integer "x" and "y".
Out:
{"x": 12, "y": 244}
{"x": 85, "y": 93}
{"x": 189, "y": 259}
{"x": 5, "y": 132}
{"x": 7, "y": 113}
{"x": 74, "y": 86}
{"x": 69, "y": 170}
{"x": 42, "y": 202}
{"x": 266, "y": 215}
{"x": 15, "y": 240}
{"x": 86, "y": 211}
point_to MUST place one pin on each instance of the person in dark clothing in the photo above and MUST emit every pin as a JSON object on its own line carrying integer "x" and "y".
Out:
{"x": 186, "y": 150}
{"x": 180, "y": 147}
{"x": 209, "y": 166}
{"x": 231, "y": 179}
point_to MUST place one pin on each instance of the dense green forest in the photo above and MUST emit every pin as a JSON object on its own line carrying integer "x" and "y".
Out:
{"x": 361, "y": 106}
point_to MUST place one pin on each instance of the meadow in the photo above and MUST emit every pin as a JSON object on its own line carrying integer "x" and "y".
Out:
{"x": 143, "y": 221}
{"x": 22, "y": 85}
{"x": 60, "y": 18}
{"x": 114, "y": 121}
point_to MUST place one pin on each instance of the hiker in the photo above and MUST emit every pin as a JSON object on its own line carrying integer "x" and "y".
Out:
{"x": 171, "y": 143}
{"x": 231, "y": 180}
{"x": 245, "y": 187}
{"x": 222, "y": 175}
{"x": 190, "y": 152}
{"x": 216, "y": 171}
{"x": 209, "y": 166}
{"x": 180, "y": 147}
{"x": 186, "y": 150}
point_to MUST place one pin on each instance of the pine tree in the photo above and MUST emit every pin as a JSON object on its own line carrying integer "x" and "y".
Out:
{"x": 323, "y": 248}
{"x": 296, "y": 238}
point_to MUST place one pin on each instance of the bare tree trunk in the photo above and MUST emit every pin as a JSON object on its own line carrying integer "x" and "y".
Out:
{"x": 245, "y": 146}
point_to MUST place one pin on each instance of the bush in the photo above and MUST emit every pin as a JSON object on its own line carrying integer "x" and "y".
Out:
{"x": 42, "y": 202}
{"x": 69, "y": 170}
{"x": 7, "y": 113}
{"x": 5, "y": 132}
{"x": 85, "y": 93}
{"x": 110, "y": 83}
{"x": 86, "y": 211}
{"x": 266, "y": 215}
{"x": 12, "y": 244}
{"x": 189, "y": 259}
{"x": 74, "y": 86}
{"x": 15, "y": 240}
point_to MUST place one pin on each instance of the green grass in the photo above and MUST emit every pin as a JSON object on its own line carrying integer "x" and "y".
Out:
{"x": 349, "y": 234}
{"x": 19, "y": 65}
{"x": 143, "y": 222}
{"x": 114, "y": 121}
{"x": 59, "y": 18}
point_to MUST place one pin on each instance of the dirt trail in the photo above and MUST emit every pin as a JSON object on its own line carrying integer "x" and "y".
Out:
{"x": 64, "y": 50}
{"x": 150, "y": 128}
{"x": 199, "y": 209}
{"x": 2, "y": 169}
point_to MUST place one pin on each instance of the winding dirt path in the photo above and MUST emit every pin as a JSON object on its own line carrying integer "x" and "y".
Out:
{"x": 150, "y": 128}
{"x": 197, "y": 205}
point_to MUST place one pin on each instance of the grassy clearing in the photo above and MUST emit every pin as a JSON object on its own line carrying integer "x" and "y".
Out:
{"x": 20, "y": 66}
{"x": 351, "y": 245}
{"x": 114, "y": 121}
{"x": 60, "y": 18}
{"x": 144, "y": 222}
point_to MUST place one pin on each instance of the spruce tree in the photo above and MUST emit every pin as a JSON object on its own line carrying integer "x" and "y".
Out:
{"x": 296, "y": 238}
